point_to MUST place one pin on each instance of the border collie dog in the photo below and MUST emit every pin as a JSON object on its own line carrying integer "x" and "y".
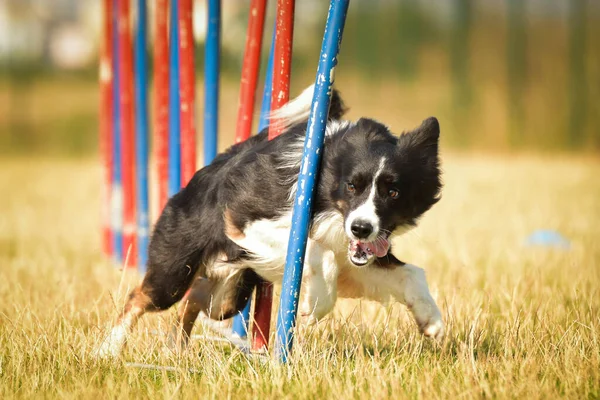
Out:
{"x": 229, "y": 227}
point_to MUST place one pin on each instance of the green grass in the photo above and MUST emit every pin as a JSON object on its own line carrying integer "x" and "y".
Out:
{"x": 522, "y": 322}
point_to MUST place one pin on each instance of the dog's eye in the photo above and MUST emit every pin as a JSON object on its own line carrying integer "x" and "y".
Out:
{"x": 393, "y": 193}
{"x": 350, "y": 187}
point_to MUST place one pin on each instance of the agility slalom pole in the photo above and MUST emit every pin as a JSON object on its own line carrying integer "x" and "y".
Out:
{"x": 211, "y": 87}
{"x": 242, "y": 320}
{"x": 284, "y": 29}
{"x": 282, "y": 56}
{"x": 174, "y": 101}
{"x": 211, "y": 80}
{"x": 263, "y": 304}
{"x": 187, "y": 89}
{"x": 161, "y": 101}
{"x": 141, "y": 124}
{"x": 309, "y": 169}
{"x": 116, "y": 198}
{"x": 105, "y": 75}
{"x": 250, "y": 69}
{"x": 127, "y": 130}
{"x": 249, "y": 80}
{"x": 265, "y": 109}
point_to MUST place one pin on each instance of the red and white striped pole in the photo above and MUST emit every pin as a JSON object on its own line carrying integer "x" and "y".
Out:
{"x": 280, "y": 95}
{"x": 106, "y": 123}
{"x": 127, "y": 131}
{"x": 250, "y": 69}
{"x": 283, "y": 60}
{"x": 187, "y": 86}
{"x": 161, "y": 100}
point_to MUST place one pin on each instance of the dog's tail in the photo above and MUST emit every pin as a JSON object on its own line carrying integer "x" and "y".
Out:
{"x": 297, "y": 110}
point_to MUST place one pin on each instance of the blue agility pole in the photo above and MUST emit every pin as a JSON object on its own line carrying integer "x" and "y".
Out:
{"x": 211, "y": 80}
{"x": 174, "y": 100}
{"x": 242, "y": 320}
{"x": 315, "y": 135}
{"x": 141, "y": 143}
{"x": 265, "y": 109}
{"x": 116, "y": 209}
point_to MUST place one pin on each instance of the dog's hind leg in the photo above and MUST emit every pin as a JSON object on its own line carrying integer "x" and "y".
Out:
{"x": 137, "y": 304}
{"x": 160, "y": 289}
{"x": 218, "y": 298}
{"x": 189, "y": 309}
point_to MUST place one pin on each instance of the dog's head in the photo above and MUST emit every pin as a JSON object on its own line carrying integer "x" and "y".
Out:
{"x": 383, "y": 184}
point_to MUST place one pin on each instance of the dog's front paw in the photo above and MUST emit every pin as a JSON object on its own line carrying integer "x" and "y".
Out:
{"x": 434, "y": 329}
{"x": 307, "y": 318}
{"x": 312, "y": 312}
{"x": 429, "y": 320}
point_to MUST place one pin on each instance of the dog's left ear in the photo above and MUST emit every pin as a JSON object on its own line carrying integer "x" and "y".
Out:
{"x": 424, "y": 139}
{"x": 428, "y": 134}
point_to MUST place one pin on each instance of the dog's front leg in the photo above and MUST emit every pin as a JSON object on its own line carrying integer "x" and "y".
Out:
{"x": 320, "y": 283}
{"x": 405, "y": 283}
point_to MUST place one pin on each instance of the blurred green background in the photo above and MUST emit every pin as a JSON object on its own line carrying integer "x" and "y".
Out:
{"x": 501, "y": 75}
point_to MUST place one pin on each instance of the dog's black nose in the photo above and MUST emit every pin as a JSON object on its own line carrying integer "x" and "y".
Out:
{"x": 361, "y": 229}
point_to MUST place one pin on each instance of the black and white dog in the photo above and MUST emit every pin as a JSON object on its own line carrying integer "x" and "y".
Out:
{"x": 229, "y": 226}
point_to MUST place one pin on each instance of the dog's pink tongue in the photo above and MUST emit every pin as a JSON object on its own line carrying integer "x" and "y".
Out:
{"x": 379, "y": 247}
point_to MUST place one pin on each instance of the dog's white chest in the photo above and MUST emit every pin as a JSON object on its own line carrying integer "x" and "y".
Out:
{"x": 267, "y": 241}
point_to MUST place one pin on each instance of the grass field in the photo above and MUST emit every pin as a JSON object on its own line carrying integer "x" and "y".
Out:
{"x": 522, "y": 322}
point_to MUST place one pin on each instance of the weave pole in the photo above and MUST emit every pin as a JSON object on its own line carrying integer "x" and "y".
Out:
{"x": 187, "y": 90}
{"x": 127, "y": 131}
{"x": 116, "y": 197}
{"x": 284, "y": 34}
{"x": 142, "y": 146}
{"x": 313, "y": 143}
{"x": 241, "y": 321}
{"x": 282, "y": 56}
{"x": 106, "y": 124}
{"x": 265, "y": 109}
{"x": 211, "y": 80}
{"x": 250, "y": 71}
{"x": 161, "y": 101}
{"x": 174, "y": 158}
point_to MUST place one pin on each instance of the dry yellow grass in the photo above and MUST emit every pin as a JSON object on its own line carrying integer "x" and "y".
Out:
{"x": 522, "y": 322}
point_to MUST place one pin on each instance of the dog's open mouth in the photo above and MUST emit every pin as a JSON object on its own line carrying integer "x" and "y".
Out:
{"x": 360, "y": 252}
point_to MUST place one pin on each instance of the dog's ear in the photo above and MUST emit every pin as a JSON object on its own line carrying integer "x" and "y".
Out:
{"x": 367, "y": 125}
{"x": 426, "y": 135}
{"x": 370, "y": 129}
{"x": 424, "y": 139}
{"x": 337, "y": 107}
